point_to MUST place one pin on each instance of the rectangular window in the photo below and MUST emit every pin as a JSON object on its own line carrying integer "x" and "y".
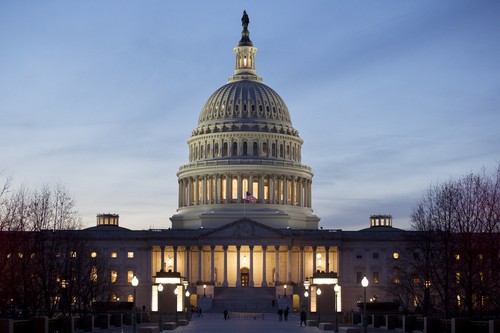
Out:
{"x": 359, "y": 277}
{"x": 359, "y": 256}
{"x": 375, "y": 255}
{"x": 130, "y": 276}
{"x": 114, "y": 276}
{"x": 130, "y": 255}
{"x": 114, "y": 255}
{"x": 375, "y": 277}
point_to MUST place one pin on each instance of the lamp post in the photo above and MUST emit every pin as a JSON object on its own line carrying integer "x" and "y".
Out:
{"x": 336, "y": 289}
{"x": 427, "y": 285}
{"x": 364, "y": 283}
{"x": 160, "y": 289}
{"x": 285, "y": 289}
{"x": 204, "y": 290}
{"x": 135, "y": 283}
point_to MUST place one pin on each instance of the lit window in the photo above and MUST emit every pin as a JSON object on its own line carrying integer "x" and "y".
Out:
{"x": 457, "y": 256}
{"x": 20, "y": 255}
{"x": 457, "y": 277}
{"x": 130, "y": 276}
{"x": 114, "y": 255}
{"x": 375, "y": 277}
{"x": 93, "y": 254}
{"x": 72, "y": 254}
{"x": 481, "y": 256}
{"x": 395, "y": 255}
{"x": 93, "y": 274}
{"x": 114, "y": 276}
{"x": 130, "y": 255}
{"x": 130, "y": 298}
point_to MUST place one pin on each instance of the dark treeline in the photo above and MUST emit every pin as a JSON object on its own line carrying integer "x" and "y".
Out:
{"x": 45, "y": 262}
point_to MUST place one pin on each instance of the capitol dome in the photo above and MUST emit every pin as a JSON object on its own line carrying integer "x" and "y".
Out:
{"x": 247, "y": 103}
{"x": 245, "y": 157}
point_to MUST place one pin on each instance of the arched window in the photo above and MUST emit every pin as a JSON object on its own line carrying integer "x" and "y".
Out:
{"x": 273, "y": 150}
{"x": 245, "y": 149}
{"x": 235, "y": 149}
{"x": 224, "y": 149}
{"x": 255, "y": 149}
{"x": 281, "y": 150}
{"x": 208, "y": 150}
{"x": 264, "y": 149}
{"x": 216, "y": 150}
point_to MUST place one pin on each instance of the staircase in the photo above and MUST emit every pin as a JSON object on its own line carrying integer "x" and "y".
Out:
{"x": 242, "y": 299}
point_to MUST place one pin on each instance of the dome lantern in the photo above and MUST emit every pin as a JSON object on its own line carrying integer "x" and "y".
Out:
{"x": 245, "y": 55}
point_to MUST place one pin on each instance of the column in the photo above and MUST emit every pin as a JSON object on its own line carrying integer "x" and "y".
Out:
{"x": 200, "y": 255}
{"x": 289, "y": 264}
{"x": 250, "y": 283}
{"x": 264, "y": 282}
{"x": 277, "y": 275}
{"x": 327, "y": 259}
{"x": 224, "y": 283}
{"x": 218, "y": 189}
{"x": 175, "y": 258}
{"x": 301, "y": 264}
{"x": 261, "y": 189}
{"x": 197, "y": 191}
{"x": 285, "y": 191}
{"x": 162, "y": 255}
{"x": 204, "y": 190}
{"x": 187, "y": 267}
{"x": 293, "y": 192}
{"x": 212, "y": 265}
{"x": 314, "y": 259}
{"x": 190, "y": 192}
{"x": 238, "y": 200}
{"x": 238, "y": 269}
{"x": 228, "y": 189}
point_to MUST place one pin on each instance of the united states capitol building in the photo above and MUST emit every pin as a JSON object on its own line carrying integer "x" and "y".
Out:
{"x": 245, "y": 234}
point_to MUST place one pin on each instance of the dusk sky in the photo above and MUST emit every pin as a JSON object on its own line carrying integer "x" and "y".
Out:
{"x": 389, "y": 97}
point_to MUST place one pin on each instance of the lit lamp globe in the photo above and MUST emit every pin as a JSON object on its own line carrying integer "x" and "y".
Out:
{"x": 364, "y": 282}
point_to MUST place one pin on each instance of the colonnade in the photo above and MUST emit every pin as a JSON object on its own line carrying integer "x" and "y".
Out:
{"x": 268, "y": 265}
{"x": 230, "y": 188}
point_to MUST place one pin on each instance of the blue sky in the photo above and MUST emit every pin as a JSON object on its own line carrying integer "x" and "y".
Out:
{"x": 389, "y": 96}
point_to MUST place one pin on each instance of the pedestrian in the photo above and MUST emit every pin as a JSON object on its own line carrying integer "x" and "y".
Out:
{"x": 303, "y": 317}
{"x": 225, "y": 315}
{"x": 286, "y": 313}
{"x": 280, "y": 314}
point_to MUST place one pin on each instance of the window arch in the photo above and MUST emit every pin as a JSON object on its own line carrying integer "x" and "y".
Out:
{"x": 255, "y": 149}
{"x": 245, "y": 149}
{"x": 224, "y": 149}
{"x": 235, "y": 149}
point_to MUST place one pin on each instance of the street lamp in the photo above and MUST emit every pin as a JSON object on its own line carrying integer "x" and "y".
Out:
{"x": 204, "y": 290}
{"x": 285, "y": 289}
{"x": 364, "y": 283}
{"x": 336, "y": 289}
{"x": 135, "y": 283}
{"x": 160, "y": 289}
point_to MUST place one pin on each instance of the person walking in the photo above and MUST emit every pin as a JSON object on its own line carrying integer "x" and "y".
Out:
{"x": 285, "y": 313}
{"x": 303, "y": 317}
{"x": 225, "y": 315}
{"x": 280, "y": 314}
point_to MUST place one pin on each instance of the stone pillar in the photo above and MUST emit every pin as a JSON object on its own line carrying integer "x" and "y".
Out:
{"x": 204, "y": 190}
{"x": 238, "y": 269}
{"x": 200, "y": 269}
{"x": 277, "y": 275}
{"x": 327, "y": 259}
{"x": 238, "y": 200}
{"x": 187, "y": 267}
{"x": 314, "y": 259}
{"x": 175, "y": 258}
{"x": 250, "y": 283}
{"x": 212, "y": 265}
{"x": 264, "y": 281}
{"x": 261, "y": 189}
{"x": 289, "y": 264}
{"x": 162, "y": 255}
{"x": 190, "y": 192}
{"x": 285, "y": 190}
{"x": 197, "y": 191}
{"x": 292, "y": 187}
{"x": 301, "y": 264}
{"x": 224, "y": 283}
{"x": 229, "y": 193}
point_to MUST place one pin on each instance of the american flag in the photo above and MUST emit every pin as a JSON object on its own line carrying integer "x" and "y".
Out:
{"x": 251, "y": 198}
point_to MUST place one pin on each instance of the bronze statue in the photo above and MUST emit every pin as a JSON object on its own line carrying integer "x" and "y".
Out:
{"x": 245, "y": 20}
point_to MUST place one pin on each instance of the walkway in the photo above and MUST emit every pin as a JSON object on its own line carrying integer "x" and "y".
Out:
{"x": 214, "y": 323}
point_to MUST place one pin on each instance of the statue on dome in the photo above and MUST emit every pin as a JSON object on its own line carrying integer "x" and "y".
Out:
{"x": 245, "y": 20}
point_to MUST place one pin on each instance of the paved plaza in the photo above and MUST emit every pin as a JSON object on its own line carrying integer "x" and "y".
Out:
{"x": 214, "y": 323}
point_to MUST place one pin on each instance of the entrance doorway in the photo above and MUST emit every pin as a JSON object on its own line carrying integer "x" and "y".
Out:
{"x": 245, "y": 276}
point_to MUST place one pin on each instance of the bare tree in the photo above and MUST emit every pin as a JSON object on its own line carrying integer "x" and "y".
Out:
{"x": 458, "y": 222}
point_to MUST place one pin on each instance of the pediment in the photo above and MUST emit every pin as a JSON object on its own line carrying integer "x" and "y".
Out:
{"x": 244, "y": 228}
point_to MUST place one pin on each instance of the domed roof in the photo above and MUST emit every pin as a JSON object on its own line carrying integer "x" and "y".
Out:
{"x": 244, "y": 101}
